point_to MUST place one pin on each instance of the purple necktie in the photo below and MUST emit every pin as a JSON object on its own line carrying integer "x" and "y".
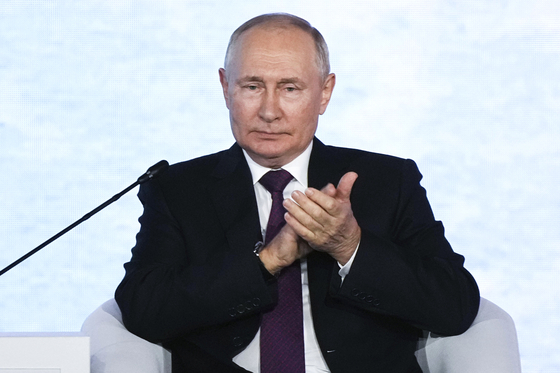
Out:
{"x": 281, "y": 341}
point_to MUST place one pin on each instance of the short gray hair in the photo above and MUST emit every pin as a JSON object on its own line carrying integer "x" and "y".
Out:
{"x": 285, "y": 20}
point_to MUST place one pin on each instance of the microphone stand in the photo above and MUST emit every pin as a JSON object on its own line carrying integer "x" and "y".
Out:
{"x": 153, "y": 171}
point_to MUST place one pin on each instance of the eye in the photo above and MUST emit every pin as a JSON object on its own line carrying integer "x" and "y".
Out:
{"x": 252, "y": 87}
{"x": 290, "y": 89}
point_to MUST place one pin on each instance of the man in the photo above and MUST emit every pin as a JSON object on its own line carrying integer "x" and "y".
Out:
{"x": 374, "y": 265}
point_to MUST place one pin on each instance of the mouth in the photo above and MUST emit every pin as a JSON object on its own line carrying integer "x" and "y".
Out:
{"x": 269, "y": 135}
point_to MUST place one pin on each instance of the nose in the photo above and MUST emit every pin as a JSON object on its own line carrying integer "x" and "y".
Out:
{"x": 270, "y": 107}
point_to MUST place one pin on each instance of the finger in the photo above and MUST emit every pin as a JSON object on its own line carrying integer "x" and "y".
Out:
{"x": 315, "y": 207}
{"x": 305, "y": 211}
{"x": 300, "y": 229}
{"x": 345, "y": 185}
{"x": 329, "y": 190}
{"x": 326, "y": 203}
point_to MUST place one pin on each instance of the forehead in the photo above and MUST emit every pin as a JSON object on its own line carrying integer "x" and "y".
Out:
{"x": 275, "y": 48}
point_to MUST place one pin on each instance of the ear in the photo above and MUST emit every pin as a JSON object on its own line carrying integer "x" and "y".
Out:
{"x": 224, "y": 83}
{"x": 328, "y": 87}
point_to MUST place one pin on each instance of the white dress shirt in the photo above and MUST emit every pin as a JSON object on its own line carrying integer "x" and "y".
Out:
{"x": 250, "y": 357}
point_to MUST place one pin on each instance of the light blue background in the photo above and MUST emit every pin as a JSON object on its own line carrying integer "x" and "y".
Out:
{"x": 92, "y": 93}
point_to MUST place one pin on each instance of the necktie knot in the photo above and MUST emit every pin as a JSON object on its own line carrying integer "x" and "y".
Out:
{"x": 276, "y": 181}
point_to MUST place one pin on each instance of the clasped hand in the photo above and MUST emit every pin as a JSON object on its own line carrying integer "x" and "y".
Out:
{"x": 319, "y": 220}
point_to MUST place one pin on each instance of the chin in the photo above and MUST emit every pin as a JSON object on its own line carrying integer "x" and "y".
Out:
{"x": 267, "y": 158}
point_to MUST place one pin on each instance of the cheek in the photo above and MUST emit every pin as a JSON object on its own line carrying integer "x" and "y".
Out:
{"x": 238, "y": 131}
{"x": 242, "y": 110}
{"x": 241, "y": 121}
{"x": 304, "y": 106}
{"x": 308, "y": 121}
{"x": 305, "y": 115}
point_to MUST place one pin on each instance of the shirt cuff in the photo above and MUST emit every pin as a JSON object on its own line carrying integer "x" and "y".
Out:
{"x": 344, "y": 269}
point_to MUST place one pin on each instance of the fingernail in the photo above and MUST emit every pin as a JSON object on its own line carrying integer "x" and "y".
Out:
{"x": 297, "y": 193}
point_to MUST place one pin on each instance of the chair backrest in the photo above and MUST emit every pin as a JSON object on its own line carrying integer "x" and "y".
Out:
{"x": 489, "y": 346}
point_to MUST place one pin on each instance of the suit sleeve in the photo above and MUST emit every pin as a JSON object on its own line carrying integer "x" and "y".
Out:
{"x": 179, "y": 282}
{"x": 405, "y": 267}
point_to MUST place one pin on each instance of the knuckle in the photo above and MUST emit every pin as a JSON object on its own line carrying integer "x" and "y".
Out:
{"x": 330, "y": 204}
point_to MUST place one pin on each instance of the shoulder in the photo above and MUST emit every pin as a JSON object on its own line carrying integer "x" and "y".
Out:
{"x": 368, "y": 161}
{"x": 353, "y": 154}
{"x": 194, "y": 175}
{"x": 193, "y": 167}
{"x": 205, "y": 167}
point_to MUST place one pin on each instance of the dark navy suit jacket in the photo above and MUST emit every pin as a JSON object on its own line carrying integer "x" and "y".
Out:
{"x": 195, "y": 285}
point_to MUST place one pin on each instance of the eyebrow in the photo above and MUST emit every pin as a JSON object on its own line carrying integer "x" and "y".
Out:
{"x": 249, "y": 78}
{"x": 289, "y": 80}
{"x": 254, "y": 78}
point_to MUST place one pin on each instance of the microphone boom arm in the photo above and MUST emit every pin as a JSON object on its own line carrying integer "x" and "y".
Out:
{"x": 151, "y": 173}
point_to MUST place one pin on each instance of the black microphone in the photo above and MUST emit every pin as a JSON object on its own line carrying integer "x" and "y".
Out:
{"x": 152, "y": 172}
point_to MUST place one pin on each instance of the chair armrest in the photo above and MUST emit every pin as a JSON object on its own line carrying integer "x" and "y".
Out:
{"x": 488, "y": 346}
{"x": 114, "y": 349}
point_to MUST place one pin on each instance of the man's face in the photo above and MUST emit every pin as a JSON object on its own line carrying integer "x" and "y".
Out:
{"x": 274, "y": 93}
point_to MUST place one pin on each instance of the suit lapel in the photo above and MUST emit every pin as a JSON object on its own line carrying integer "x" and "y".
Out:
{"x": 233, "y": 197}
{"x": 324, "y": 166}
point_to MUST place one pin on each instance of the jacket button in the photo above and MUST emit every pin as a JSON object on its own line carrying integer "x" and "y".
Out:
{"x": 256, "y": 302}
{"x": 241, "y": 309}
{"x": 355, "y": 292}
{"x": 371, "y": 299}
{"x": 237, "y": 341}
{"x": 232, "y": 312}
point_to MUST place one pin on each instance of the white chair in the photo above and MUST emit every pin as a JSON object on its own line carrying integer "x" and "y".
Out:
{"x": 489, "y": 346}
{"x": 114, "y": 349}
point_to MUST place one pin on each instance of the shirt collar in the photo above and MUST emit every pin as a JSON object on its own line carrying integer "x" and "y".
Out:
{"x": 298, "y": 167}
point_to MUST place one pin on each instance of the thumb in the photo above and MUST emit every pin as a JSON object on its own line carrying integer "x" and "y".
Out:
{"x": 345, "y": 185}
